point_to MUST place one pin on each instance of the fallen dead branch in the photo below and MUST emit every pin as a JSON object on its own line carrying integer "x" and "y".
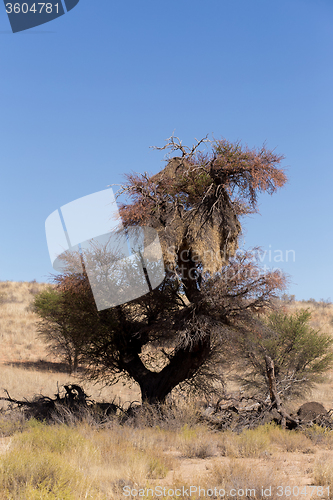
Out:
{"x": 74, "y": 402}
{"x": 241, "y": 413}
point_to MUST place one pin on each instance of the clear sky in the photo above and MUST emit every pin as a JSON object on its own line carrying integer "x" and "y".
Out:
{"x": 83, "y": 97}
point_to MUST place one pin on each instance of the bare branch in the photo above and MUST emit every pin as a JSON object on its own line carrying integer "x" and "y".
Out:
{"x": 175, "y": 144}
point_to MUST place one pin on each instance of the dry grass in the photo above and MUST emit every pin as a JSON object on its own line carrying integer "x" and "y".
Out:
{"x": 320, "y": 436}
{"x": 323, "y": 472}
{"x": 195, "y": 442}
{"x": 321, "y": 314}
{"x": 248, "y": 444}
{"x": 18, "y": 324}
{"x": 62, "y": 462}
{"x": 27, "y": 366}
{"x": 285, "y": 440}
{"x": 248, "y": 481}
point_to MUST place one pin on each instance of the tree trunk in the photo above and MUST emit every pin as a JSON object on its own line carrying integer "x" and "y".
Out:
{"x": 155, "y": 386}
{"x": 188, "y": 269}
{"x": 274, "y": 395}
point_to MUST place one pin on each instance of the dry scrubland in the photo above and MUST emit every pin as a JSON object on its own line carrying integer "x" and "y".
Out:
{"x": 82, "y": 461}
{"x": 86, "y": 460}
{"x": 26, "y": 366}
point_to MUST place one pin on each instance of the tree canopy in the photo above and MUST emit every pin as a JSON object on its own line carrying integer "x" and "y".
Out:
{"x": 196, "y": 201}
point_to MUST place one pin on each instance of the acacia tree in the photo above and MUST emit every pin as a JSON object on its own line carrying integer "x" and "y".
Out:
{"x": 178, "y": 332}
{"x": 68, "y": 316}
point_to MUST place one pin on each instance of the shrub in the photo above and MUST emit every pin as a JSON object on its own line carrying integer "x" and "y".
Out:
{"x": 320, "y": 436}
{"x": 250, "y": 443}
{"x": 301, "y": 355}
{"x": 197, "y": 443}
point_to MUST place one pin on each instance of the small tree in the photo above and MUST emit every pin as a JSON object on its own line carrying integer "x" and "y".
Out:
{"x": 68, "y": 316}
{"x": 179, "y": 332}
{"x": 301, "y": 355}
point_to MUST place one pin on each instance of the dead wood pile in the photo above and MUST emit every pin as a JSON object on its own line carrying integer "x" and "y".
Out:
{"x": 73, "y": 403}
{"x": 241, "y": 413}
{"x": 233, "y": 414}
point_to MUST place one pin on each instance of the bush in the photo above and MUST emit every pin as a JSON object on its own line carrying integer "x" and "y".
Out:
{"x": 196, "y": 443}
{"x": 301, "y": 355}
{"x": 320, "y": 436}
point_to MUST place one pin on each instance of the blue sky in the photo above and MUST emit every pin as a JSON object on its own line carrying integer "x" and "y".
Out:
{"x": 84, "y": 97}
